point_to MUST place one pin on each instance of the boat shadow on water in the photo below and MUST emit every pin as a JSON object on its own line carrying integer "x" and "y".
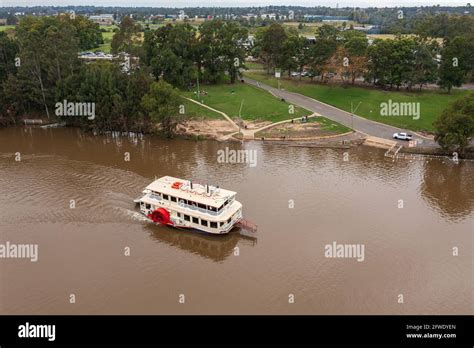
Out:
{"x": 214, "y": 247}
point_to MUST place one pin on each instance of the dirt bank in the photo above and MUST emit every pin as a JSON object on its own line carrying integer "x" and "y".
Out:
{"x": 207, "y": 129}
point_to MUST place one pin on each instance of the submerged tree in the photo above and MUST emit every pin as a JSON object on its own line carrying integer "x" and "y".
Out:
{"x": 454, "y": 129}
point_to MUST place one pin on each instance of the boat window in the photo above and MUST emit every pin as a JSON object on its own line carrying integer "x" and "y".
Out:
{"x": 195, "y": 220}
{"x": 173, "y": 199}
{"x": 165, "y": 197}
{"x": 228, "y": 221}
{"x": 212, "y": 208}
{"x": 222, "y": 223}
{"x": 147, "y": 206}
{"x": 202, "y": 206}
{"x": 187, "y": 217}
{"x": 179, "y": 215}
{"x": 214, "y": 224}
{"x": 204, "y": 222}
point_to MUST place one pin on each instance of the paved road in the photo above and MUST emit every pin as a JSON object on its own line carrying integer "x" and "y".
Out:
{"x": 357, "y": 123}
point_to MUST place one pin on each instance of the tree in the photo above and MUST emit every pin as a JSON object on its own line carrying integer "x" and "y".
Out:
{"x": 48, "y": 53}
{"x": 221, "y": 47}
{"x": 161, "y": 103}
{"x": 8, "y": 52}
{"x": 327, "y": 32}
{"x": 390, "y": 62}
{"x": 292, "y": 54}
{"x": 454, "y": 129}
{"x": 88, "y": 33}
{"x": 457, "y": 61}
{"x": 170, "y": 52}
{"x": 270, "y": 42}
{"x": 356, "y": 50}
{"x": 126, "y": 38}
{"x": 319, "y": 55}
{"x": 425, "y": 67}
{"x": 11, "y": 19}
{"x": 100, "y": 83}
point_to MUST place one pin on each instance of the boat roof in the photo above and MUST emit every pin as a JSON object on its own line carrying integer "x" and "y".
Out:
{"x": 197, "y": 194}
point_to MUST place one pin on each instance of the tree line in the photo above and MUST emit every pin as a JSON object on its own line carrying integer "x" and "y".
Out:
{"x": 405, "y": 61}
{"x": 39, "y": 67}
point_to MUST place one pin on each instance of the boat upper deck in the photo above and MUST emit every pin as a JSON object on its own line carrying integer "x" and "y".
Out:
{"x": 181, "y": 189}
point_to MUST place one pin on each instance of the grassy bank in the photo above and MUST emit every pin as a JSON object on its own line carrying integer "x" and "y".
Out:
{"x": 195, "y": 111}
{"x": 314, "y": 127}
{"x": 432, "y": 103}
{"x": 257, "y": 104}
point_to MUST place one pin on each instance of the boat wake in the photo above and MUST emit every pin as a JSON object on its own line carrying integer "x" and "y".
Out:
{"x": 134, "y": 215}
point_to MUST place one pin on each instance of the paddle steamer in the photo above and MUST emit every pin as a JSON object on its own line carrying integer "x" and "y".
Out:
{"x": 184, "y": 204}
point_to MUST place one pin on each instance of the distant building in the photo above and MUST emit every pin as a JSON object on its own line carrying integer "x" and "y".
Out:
{"x": 249, "y": 16}
{"x": 157, "y": 17}
{"x": 3, "y": 21}
{"x": 271, "y": 16}
{"x": 104, "y": 19}
{"x": 323, "y": 18}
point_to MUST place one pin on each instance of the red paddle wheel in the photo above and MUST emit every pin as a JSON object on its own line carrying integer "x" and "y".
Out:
{"x": 160, "y": 216}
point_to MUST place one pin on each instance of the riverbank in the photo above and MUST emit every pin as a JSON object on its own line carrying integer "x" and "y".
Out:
{"x": 315, "y": 131}
{"x": 431, "y": 103}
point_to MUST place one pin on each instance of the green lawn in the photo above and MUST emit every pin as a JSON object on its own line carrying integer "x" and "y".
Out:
{"x": 432, "y": 103}
{"x": 257, "y": 104}
{"x": 195, "y": 111}
{"x": 254, "y": 65}
{"x": 326, "y": 127}
{"x": 6, "y": 27}
{"x": 107, "y": 36}
{"x": 330, "y": 126}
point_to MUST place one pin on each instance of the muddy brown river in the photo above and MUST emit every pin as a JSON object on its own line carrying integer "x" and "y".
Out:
{"x": 71, "y": 194}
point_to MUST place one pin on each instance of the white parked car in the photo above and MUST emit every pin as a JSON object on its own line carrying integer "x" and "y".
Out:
{"x": 402, "y": 136}
{"x": 295, "y": 74}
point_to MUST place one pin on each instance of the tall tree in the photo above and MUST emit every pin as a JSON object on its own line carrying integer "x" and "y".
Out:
{"x": 454, "y": 129}
{"x": 170, "y": 52}
{"x": 8, "y": 53}
{"x": 457, "y": 61}
{"x": 222, "y": 49}
{"x": 270, "y": 42}
{"x": 48, "y": 53}
{"x": 126, "y": 38}
{"x": 162, "y": 105}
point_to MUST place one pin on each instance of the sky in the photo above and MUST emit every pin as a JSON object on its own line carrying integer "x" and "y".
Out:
{"x": 236, "y": 3}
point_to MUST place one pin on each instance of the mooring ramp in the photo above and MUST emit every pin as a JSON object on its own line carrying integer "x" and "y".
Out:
{"x": 380, "y": 142}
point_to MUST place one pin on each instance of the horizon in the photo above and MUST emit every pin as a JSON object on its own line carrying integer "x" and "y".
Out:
{"x": 239, "y": 4}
